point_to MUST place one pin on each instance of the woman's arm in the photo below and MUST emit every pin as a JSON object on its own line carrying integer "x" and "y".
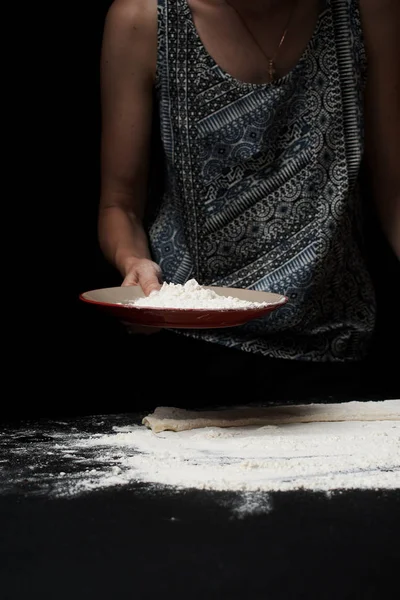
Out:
{"x": 381, "y": 25}
{"x": 128, "y": 64}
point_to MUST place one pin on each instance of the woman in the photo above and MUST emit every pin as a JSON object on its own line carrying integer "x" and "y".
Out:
{"x": 268, "y": 110}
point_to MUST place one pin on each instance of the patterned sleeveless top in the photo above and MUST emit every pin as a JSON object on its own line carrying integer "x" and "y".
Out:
{"x": 262, "y": 186}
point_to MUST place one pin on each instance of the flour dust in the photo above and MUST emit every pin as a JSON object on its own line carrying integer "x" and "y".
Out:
{"x": 252, "y": 462}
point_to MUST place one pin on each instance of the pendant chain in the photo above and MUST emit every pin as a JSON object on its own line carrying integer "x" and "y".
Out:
{"x": 271, "y": 60}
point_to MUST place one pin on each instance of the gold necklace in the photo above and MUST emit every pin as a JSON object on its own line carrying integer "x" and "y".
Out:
{"x": 271, "y": 60}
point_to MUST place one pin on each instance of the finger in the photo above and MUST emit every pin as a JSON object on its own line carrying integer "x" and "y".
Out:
{"x": 150, "y": 279}
{"x": 149, "y": 284}
{"x": 129, "y": 281}
{"x": 147, "y": 274}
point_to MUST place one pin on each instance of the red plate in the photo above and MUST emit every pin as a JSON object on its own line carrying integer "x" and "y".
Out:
{"x": 115, "y": 301}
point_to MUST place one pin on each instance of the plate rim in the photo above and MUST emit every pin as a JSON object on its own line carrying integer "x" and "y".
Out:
{"x": 283, "y": 299}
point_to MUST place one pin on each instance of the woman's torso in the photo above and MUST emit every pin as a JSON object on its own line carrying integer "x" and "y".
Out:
{"x": 262, "y": 184}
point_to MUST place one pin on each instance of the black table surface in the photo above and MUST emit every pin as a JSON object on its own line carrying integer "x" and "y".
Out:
{"x": 137, "y": 542}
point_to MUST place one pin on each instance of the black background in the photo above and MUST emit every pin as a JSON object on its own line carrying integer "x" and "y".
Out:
{"x": 56, "y": 350}
{"x": 125, "y": 545}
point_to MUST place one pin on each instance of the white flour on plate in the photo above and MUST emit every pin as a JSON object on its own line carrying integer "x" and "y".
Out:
{"x": 192, "y": 295}
{"x": 251, "y": 461}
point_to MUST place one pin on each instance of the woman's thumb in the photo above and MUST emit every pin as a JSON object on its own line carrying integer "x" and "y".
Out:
{"x": 150, "y": 280}
{"x": 149, "y": 284}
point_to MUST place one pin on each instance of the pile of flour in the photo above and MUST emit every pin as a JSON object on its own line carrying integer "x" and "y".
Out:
{"x": 192, "y": 295}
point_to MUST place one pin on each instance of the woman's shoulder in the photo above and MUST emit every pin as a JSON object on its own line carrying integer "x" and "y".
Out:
{"x": 133, "y": 16}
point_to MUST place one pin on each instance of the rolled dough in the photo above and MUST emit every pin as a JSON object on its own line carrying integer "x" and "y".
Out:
{"x": 177, "y": 419}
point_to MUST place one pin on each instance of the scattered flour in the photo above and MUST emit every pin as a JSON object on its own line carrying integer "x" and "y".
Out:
{"x": 315, "y": 456}
{"x": 192, "y": 295}
{"x": 252, "y": 462}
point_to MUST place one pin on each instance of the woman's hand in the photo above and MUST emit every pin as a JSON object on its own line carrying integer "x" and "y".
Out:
{"x": 144, "y": 272}
{"x": 147, "y": 274}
